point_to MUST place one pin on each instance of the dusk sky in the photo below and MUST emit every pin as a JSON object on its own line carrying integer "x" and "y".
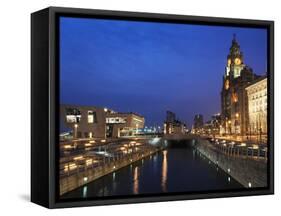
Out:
{"x": 148, "y": 68}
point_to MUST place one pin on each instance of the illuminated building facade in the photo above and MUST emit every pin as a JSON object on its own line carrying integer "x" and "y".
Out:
{"x": 216, "y": 124}
{"x": 123, "y": 124}
{"x": 83, "y": 121}
{"x": 234, "y": 101}
{"x": 257, "y": 100}
{"x": 173, "y": 126}
{"x": 198, "y": 123}
{"x": 95, "y": 122}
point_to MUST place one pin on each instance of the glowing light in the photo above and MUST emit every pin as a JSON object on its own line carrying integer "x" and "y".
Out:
{"x": 68, "y": 146}
{"x": 164, "y": 171}
{"x": 78, "y": 158}
{"x": 136, "y": 180}
{"x": 71, "y": 166}
{"x": 113, "y": 175}
{"x": 89, "y": 162}
{"x": 85, "y": 179}
{"x": 135, "y": 119}
{"x": 249, "y": 184}
{"x": 85, "y": 188}
{"x": 88, "y": 144}
{"x": 103, "y": 141}
{"x": 154, "y": 140}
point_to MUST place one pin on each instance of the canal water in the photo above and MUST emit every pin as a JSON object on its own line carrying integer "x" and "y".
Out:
{"x": 178, "y": 168}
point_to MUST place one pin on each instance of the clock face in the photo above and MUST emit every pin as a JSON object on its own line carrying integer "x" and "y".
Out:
{"x": 228, "y": 62}
{"x": 237, "y": 61}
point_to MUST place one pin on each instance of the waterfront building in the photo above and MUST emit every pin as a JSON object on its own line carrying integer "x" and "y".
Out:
{"x": 214, "y": 125}
{"x": 172, "y": 125}
{"x": 96, "y": 122}
{"x": 123, "y": 124}
{"x": 257, "y": 100}
{"x": 234, "y": 101}
{"x": 198, "y": 123}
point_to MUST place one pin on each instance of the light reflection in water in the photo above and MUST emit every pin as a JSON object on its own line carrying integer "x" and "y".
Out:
{"x": 85, "y": 189}
{"x": 136, "y": 180}
{"x": 164, "y": 171}
{"x": 113, "y": 176}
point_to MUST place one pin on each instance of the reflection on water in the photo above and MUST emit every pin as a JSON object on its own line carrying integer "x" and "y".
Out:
{"x": 136, "y": 180}
{"x": 164, "y": 171}
{"x": 178, "y": 168}
{"x": 85, "y": 188}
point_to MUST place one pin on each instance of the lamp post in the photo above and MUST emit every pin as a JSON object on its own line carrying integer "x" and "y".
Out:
{"x": 75, "y": 134}
{"x": 75, "y": 130}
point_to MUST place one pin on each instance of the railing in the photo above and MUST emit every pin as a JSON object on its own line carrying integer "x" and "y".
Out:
{"x": 239, "y": 149}
{"x": 85, "y": 162}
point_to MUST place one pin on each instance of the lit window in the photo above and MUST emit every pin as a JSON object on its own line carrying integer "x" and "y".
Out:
{"x": 92, "y": 118}
{"x": 73, "y": 115}
{"x": 115, "y": 120}
{"x": 72, "y": 119}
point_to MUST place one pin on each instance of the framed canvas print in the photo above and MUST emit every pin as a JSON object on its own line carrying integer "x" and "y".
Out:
{"x": 139, "y": 107}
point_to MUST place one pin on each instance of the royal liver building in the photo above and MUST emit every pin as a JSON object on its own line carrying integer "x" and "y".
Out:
{"x": 234, "y": 102}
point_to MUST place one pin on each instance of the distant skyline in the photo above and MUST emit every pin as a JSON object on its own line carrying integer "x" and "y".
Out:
{"x": 149, "y": 68}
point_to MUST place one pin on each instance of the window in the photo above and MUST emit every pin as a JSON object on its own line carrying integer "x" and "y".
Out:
{"x": 92, "y": 117}
{"x": 73, "y": 115}
{"x": 115, "y": 120}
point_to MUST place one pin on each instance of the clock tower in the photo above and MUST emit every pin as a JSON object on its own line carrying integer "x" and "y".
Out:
{"x": 234, "y": 60}
{"x": 237, "y": 76}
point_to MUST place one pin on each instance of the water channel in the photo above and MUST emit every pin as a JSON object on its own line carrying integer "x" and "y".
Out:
{"x": 177, "y": 168}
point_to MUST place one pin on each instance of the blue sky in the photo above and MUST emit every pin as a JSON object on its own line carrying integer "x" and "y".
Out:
{"x": 148, "y": 67}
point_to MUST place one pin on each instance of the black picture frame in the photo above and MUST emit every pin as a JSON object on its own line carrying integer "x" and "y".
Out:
{"x": 45, "y": 104}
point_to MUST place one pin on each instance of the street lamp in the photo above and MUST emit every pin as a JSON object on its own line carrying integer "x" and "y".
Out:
{"x": 75, "y": 130}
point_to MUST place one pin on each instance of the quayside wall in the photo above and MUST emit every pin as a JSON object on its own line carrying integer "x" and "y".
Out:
{"x": 250, "y": 172}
